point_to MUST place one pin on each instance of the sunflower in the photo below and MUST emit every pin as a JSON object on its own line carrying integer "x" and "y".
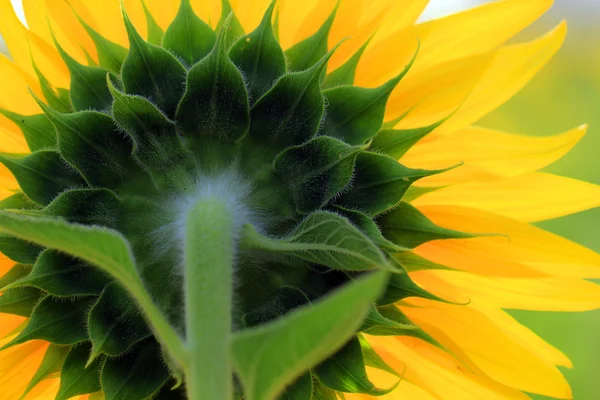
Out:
{"x": 230, "y": 199}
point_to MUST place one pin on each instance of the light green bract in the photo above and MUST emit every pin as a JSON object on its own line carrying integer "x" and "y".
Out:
{"x": 212, "y": 218}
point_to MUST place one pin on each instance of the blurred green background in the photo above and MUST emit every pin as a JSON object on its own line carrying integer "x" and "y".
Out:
{"x": 563, "y": 95}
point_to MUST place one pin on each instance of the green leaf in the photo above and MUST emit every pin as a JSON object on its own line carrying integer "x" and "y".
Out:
{"x": 408, "y": 227}
{"x": 269, "y": 357}
{"x": 316, "y": 171}
{"x": 345, "y": 371}
{"x": 90, "y": 143}
{"x": 378, "y": 325}
{"x": 323, "y": 238}
{"x": 37, "y": 129}
{"x": 137, "y": 375}
{"x": 344, "y": 75}
{"x": 355, "y": 114}
{"x": 188, "y": 37}
{"x": 115, "y": 323}
{"x": 75, "y": 377}
{"x": 52, "y": 363}
{"x": 110, "y": 54}
{"x": 19, "y": 301}
{"x": 395, "y": 143}
{"x": 17, "y": 272}
{"x": 379, "y": 183}
{"x": 259, "y": 56}
{"x": 88, "y": 84}
{"x": 42, "y": 175}
{"x": 301, "y": 389}
{"x": 156, "y": 143}
{"x": 369, "y": 228}
{"x": 155, "y": 33}
{"x": 372, "y": 359}
{"x": 307, "y": 53}
{"x": 152, "y": 72}
{"x": 215, "y": 103}
{"x": 58, "y": 321}
{"x": 235, "y": 29}
{"x": 86, "y": 206}
{"x": 61, "y": 275}
{"x": 290, "y": 112}
{"x": 19, "y": 250}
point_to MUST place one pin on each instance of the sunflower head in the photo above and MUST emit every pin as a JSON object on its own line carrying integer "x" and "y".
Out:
{"x": 205, "y": 215}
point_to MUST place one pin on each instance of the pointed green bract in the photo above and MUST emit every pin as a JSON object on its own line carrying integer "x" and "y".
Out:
{"x": 42, "y": 175}
{"x": 215, "y": 104}
{"x": 188, "y": 37}
{"x": 137, "y": 375}
{"x": 408, "y": 227}
{"x": 17, "y": 272}
{"x": 401, "y": 286}
{"x": 52, "y": 363}
{"x": 152, "y": 72}
{"x": 301, "y": 389}
{"x": 59, "y": 98}
{"x": 259, "y": 56}
{"x": 378, "y": 325}
{"x": 234, "y": 29}
{"x": 114, "y": 322}
{"x": 269, "y": 357}
{"x": 86, "y": 206}
{"x": 75, "y": 377}
{"x": 316, "y": 171}
{"x": 38, "y": 130}
{"x": 19, "y": 301}
{"x": 323, "y": 238}
{"x": 372, "y": 359}
{"x": 58, "y": 321}
{"x": 18, "y": 250}
{"x": 344, "y": 75}
{"x": 345, "y": 371}
{"x": 395, "y": 143}
{"x": 155, "y": 33}
{"x": 412, "y": 262}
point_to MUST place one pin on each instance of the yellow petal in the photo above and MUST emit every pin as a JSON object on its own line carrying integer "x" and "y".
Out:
{"x": 11, "y": 139}
{"x": 487, "y": 154}
{"x": 519, "y": 250}
{"x": 509, "y": 69}
{"x": 105, "y": 17}
{"x": 436, "y": 372}
{"x": 17, "y": 366}
{"x": 163, "y": 11}
{"x": 541, "y": 294}
{"x": 13, "y": 86}
{"x": 536, "y": 196}
{"x": 507, "y": 360}
{"x": 404, "y": 391}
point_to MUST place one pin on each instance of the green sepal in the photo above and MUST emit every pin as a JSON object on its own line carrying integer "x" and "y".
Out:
{"x": 63, "y": 276}
{"x": 301, "y": 389}
{"x": 56, "y": 320}
{"x": 151, "y": 72}
{"x": 234, "y": 29}
{"x": 395, "y": 143}
{"x": 19, "y": 301}
{"x": 115, "y": 323}
{"x": 137, "y": 375}
{"x": 42, "y": 175}
{"x": 408, "y": 227}
{"x": 19, "y": 250}
{"x": 301, "y": 339}
{"x": 58, "y": 98}
{"x": 344, "y": 75}
{"x": 372, "y": 359}
{"x": 52, "y": 363}
{"x": 316, "y": 171}
{"x": 412, "y": 262}
{"x": 369, "y": 228}
{"x": 380, "y": 183}
{"x": 154, "y": 32}
{"x": 88, "y": 84}
{"x": 86, "y": 206}
{"x": 378, "y": 325}
{"x": 290, "y": 112}
{"x": 324, "y": 238}
{"x": 37, "y": 129}
{"x": 110, "y": 54}
{"x": 18, "y": 201}
{"x": 188, "y": 37}
{"x": 89, "y": 142}
{"x": 17, "y": 272}
{"x": 392, "y": 313}
{"x": 345, "y": 371}
{"x": 215, "y": 105}
{"x": 260, "y": 56}
{"x": 355, "y": 114}
{"x": 156, "y": 143}
{"x": 307, "y": 53}
{"x": 400, "y": 286}
{"x": 77, "y": 378}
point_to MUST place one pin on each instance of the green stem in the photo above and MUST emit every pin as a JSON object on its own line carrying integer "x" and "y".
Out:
{"x": 208, "y": 296}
